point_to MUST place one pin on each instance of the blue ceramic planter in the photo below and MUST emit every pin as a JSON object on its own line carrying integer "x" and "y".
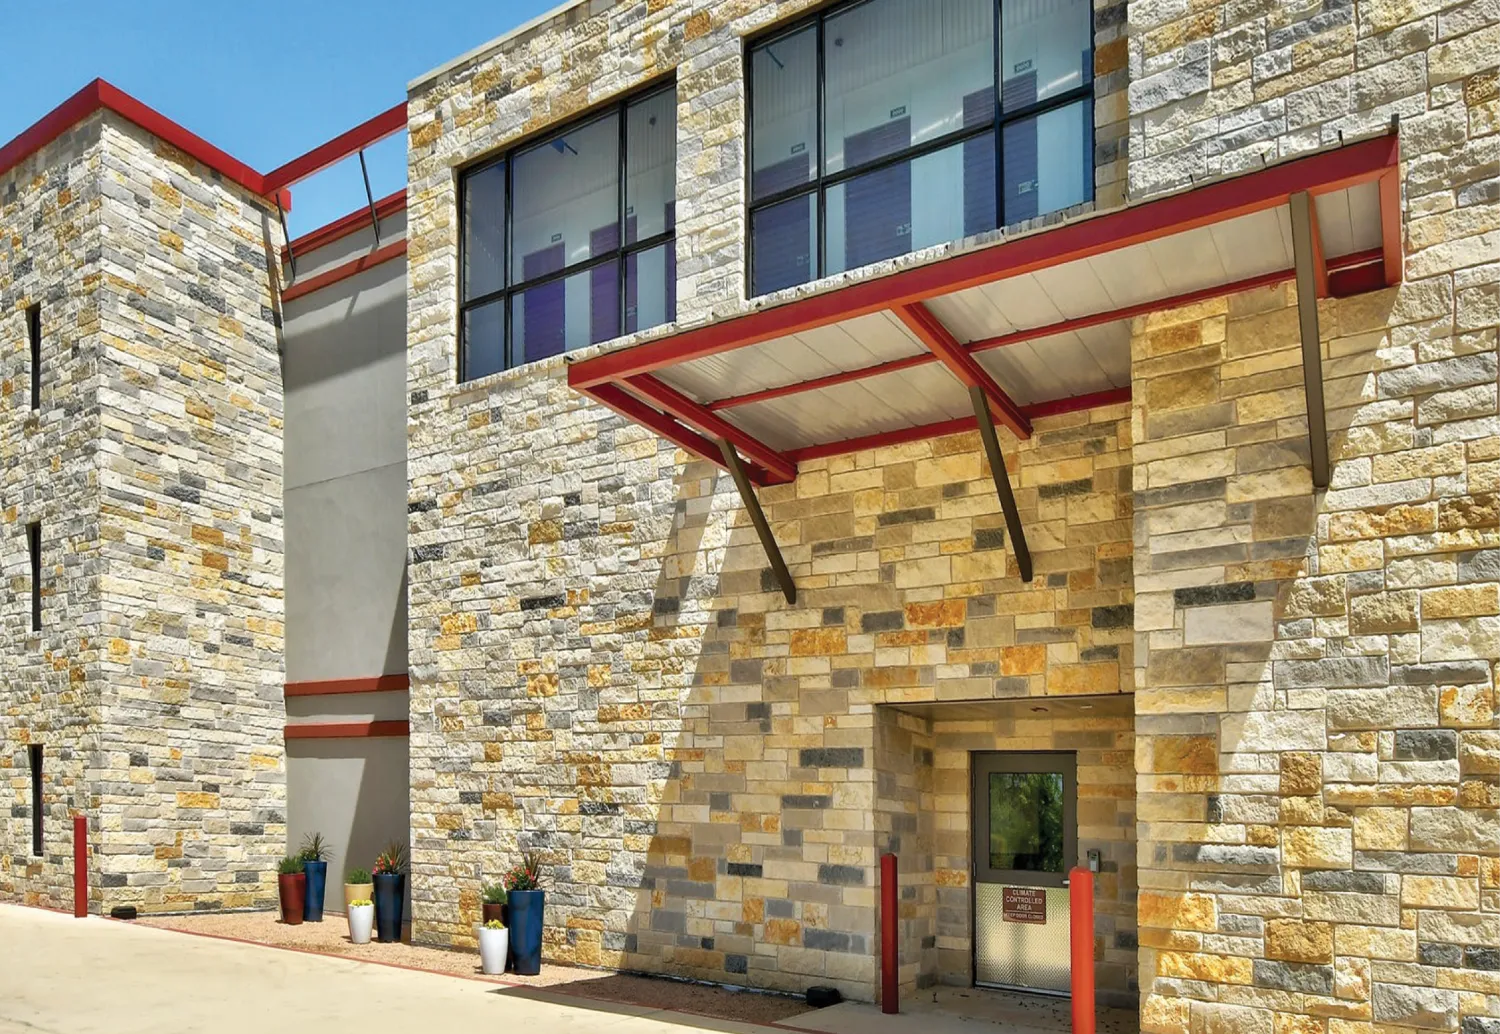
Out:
{"x": 390, "y": 902}
{"x": 525, "y": 907}
{"x": 317, "y": 879}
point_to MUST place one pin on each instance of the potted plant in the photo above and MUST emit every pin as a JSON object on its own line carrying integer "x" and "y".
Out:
{"x": 390, "y": 891}
{"x": 494, "y": 941}
{"x": 525, "y": 900}
{"x": 290, "y": 885}
{"x": 361, "y": 913}
{"x": 315, "y": 855}
{"x": 358, "y": 887}
{"x": 494, "y": 902}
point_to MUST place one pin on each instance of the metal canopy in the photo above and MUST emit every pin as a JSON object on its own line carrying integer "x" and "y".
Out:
{"x": 1039, "y": 324}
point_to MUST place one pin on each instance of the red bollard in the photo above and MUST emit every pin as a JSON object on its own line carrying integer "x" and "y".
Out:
{"x": 1081, "y": 938}
{"x": 890, "y": 952}
{"x": 80, "y": 866}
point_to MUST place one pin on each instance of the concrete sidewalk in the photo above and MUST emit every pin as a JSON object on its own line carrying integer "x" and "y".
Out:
{"x": 60, "y": 975}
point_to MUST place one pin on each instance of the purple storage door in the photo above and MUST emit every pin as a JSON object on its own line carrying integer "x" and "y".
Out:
{"x": 1019, "y": 148}
{"x": 782, "y": 233}
{"x": 604, "y": 287}
{"x": 877, "y": 205}
{"x": 544, "y": 320}
{"x": 979, "y": 164}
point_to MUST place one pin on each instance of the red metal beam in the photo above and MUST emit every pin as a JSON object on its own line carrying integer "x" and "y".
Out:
{"x": 697, "y": 416}
{"x": 1253, "y": 192}
{"x": 931, "y": 332}
{"x": 330, "y": 687}
{"x": 354, "y": 222}
{"x": 829, "y": 381}
{"x": 373, "y": 130}
{"x": 1390, "y": 223}
{"x": 958, "y": 425}
{"x": 346, "y": 730}
{"x": 352, "y": 268}
{"x": 633, "y": 409}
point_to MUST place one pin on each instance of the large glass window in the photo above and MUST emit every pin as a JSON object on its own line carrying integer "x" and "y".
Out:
{"x": 884, "y": 126}
{"x": 570, "y": 241}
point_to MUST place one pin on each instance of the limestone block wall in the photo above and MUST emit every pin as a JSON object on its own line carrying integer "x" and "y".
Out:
{"x": 50, "y": 232}
{"x": 191, "y": 774}
{"x": 1316, "y": 671}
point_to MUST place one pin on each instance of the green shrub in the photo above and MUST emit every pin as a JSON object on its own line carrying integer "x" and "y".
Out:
{"x": 290, "y": 865}
{"x": 357, "y": 876}
{"x": 315, "y": 848}
{"x": 494, "y": 894}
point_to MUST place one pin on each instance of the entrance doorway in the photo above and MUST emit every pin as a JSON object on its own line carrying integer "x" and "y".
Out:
{"x": 1025, "y": 827}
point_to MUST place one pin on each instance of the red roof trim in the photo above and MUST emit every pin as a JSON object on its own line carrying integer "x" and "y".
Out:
{"x": 100, "y": 95}
{"x": 343, "y": 226}
{"x": 330, "y": 687}
{"x": 352, "y": 268}
{"x": 1326, "y": 171}
{"x": 346, "y": 730}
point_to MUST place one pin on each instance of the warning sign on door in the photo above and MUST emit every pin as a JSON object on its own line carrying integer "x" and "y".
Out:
{"x": 1023, "y": 905}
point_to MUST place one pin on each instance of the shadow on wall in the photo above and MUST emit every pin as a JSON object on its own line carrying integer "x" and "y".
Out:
{"x": 1312, "y": 721}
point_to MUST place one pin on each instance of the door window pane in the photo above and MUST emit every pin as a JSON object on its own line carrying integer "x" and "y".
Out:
{"x": 1048, "y": 162}
{"x": 650, "y": 287}
{"x": 567, "y": 313}
{"x": 484, "y": 231}
{"x": 897, "y": 72}
{"x": 783, "y": 241}
{"x": 484, "y": 339}
{"x": 650, "y": 166}
{"x": 783, "y": 113}
{"x": 939, "y": 197}
{"x": 1026, "y": 821}
{"x": 1046, "y": 49}
{"x": 566, "y": 204}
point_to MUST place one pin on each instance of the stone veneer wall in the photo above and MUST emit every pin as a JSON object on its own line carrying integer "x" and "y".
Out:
{"x": 155, "y": 467}
{"x": 50, "y": 237}
{"x": 603, "y": 672}
{"x": 1317, "y": 733}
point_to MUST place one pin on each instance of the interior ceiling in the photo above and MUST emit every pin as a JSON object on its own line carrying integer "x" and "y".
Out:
{"x": 1115, "y": 705}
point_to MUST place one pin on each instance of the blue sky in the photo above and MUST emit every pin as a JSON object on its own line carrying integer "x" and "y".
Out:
{"x": 264, "y": 80}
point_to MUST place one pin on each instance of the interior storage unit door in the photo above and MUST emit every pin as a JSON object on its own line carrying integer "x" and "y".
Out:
{"x": 1025, "y": 826}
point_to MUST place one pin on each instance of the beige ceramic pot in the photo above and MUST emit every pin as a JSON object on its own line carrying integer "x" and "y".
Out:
{"x": 358, "y": 892}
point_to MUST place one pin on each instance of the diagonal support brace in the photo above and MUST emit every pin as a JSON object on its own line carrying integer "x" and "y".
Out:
{"x": 758, "y": 518}
{"x": 991, "y": 441}
{"x": 1305, "y": 255}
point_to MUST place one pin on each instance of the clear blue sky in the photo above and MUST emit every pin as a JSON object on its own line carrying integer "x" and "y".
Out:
{"x": 263, "y": 80}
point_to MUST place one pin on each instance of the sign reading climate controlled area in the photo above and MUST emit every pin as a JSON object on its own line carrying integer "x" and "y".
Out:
{"x": 1025, "y": 841}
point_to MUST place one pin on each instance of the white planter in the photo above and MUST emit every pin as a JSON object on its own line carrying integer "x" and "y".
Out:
{"x": 361, "y": 920}
{"x": 493, "y": 944}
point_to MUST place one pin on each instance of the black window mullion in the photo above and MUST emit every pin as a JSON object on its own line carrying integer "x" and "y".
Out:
{"x": 507, "y": 334}
{"x": 819, "y": 258}
{"x": 620, "y": 191}
{"x": 997, "y": 123}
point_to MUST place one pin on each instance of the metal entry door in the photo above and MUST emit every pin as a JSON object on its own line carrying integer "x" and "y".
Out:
{"x": 1025, "y": 825}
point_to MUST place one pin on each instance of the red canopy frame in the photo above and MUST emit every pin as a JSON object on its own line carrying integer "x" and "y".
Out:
{"x": 624, "y": 380}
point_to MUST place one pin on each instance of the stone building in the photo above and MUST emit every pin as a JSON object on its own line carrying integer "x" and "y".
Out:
{"x": 832, "y": 430}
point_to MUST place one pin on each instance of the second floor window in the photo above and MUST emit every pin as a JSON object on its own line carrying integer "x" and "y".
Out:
{"x": 570, "y": 241}
{"x": 885, "y": 126}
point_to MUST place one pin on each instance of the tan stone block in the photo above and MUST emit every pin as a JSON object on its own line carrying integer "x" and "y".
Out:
{"x": 1030, "y": 659}
{"x": 941, "y": 614}
{"x": 1219, "y": 1018}
{"x": 1352, "y": 556}
{"x": 1283, "y": 518}
{"x": 1216, "y": 969}
{"x": 1461, "y": 601}
{"x": 1383, "y": 613}
{"x": 1351, "y": 978}
{"x": 782, "y": 931}
{"x": 818, "y": 642}
{"x": 1447, "y": 892}
{"x": 1083, "y": 679}
{"x": 1163, "y": 1015}
{"x": 1188, "y": 755}
{"x": 187, "y": 799}
{"x": 1301, "y": 774}
{"x": 1315, "y": 597}
{"x": 1296, "y": 1023}
{"x": 1311, "y": 847}
{"x": 1467, "y": 706}
{"x": 1177, "y": 911}
{"x": 1473, "y": 511}
{"x": 1195, "y": 666}
{"x": 1293, "y": 940}
{"x": 1409, "y": 464}
{"x": 1370, "y": 524}
{"x": 1182, "y": 390}
{"x": 1380, "y": 829}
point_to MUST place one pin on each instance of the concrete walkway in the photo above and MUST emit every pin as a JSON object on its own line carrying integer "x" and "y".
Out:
{"x": 60, "y": 975}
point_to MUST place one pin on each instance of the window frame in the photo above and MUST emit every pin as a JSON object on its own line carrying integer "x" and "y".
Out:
{"x": 34, "y": 342}
{"x": 34, "y": 757}
{"x": 620, "y": 254}
{"x": 821, "y": 183}
{"x": 34, "y": 551}
{"x": 984, "y": 763}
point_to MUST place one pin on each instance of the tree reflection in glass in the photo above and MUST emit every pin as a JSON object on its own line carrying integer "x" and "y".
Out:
{"x": 1026, "y": 821}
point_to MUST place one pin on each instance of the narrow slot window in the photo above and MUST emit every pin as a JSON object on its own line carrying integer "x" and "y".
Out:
{"x": 36, "y": 798}
{"x": 34, "y": 333}
{"x": 34, "y": 545}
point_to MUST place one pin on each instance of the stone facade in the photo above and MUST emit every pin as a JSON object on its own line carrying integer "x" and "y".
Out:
{"x": 1316, "y": 730}
{"x": 154, "y": 466}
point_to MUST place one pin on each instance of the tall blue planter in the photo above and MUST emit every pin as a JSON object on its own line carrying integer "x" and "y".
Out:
{"x": 390, "y": 902}
{"x": 526, "y": 907}
{"x": 317, "y": 879}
